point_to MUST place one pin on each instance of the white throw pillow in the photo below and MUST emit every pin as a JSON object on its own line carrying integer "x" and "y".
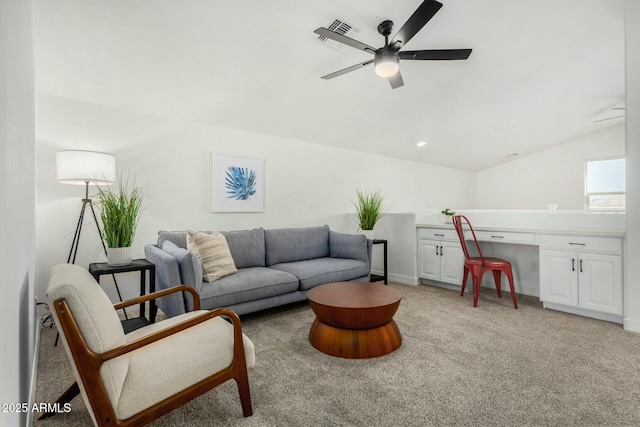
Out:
{"x": 214, "y": 254}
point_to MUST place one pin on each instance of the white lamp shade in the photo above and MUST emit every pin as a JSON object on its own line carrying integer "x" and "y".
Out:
{"x": 77, "y": 167}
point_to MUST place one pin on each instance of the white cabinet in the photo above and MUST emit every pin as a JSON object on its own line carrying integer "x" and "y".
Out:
{"x": 589, "y": 278}
{"x": 440, "y": 260}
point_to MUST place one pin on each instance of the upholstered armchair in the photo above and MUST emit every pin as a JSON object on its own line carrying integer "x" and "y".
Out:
{"x": 135, "y": 378}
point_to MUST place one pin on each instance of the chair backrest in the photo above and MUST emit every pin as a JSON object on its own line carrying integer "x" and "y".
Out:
{"x": 97, "y": 322}
{"x": 457, "y": 223}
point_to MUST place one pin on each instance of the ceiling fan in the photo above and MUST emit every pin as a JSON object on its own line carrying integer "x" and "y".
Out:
{"x": 386, "y": 59}
{"x": 617, "y": 112}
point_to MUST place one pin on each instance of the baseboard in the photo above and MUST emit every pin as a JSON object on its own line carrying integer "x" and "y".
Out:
{"x": 522, "y": 289}
{"x": 439, "y": 284}
{"x": 34, "y": 371}
{"x": 631, "y": 325}
{"x": 397, "y": 278}
{"x": 586, "y": 313}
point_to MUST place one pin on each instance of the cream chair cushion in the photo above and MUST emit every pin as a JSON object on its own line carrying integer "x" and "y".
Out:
{"x": 97, "y": 320}
{"x": 172, "y": 364}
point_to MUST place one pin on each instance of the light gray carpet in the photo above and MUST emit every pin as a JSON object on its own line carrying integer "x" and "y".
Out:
{"x": 458, "y": 365}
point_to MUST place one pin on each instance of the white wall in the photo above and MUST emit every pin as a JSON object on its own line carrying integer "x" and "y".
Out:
{"x": 17, "y": 206}
{"x": 399, "y": 229}
{"x": 306, "y": 184}
{"x": 632, "y": 266}
{"x": 555, "y": 175}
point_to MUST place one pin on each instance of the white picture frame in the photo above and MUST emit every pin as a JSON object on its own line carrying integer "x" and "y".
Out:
{"x": 237, "y": 184}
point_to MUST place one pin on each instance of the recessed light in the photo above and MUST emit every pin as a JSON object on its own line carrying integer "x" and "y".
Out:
{"x": 421, "y": 144}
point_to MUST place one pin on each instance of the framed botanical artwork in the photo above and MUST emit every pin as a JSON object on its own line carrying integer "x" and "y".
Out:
{"x": 237, "y": 184}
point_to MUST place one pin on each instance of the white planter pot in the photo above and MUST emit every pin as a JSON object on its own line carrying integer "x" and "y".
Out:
{"x": 368, "y": 234}
{"x": 119, "y": 256}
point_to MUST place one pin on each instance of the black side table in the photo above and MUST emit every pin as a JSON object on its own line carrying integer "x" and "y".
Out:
{"x": 377, "y": 277}
{"x": 97, "y": 269}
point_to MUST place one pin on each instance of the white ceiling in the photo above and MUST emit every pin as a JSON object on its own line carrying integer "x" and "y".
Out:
{"x": 540, "y": 73}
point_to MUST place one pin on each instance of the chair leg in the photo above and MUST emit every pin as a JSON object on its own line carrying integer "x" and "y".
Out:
{"x": 464, "y": 280}
{"x": 66, "y": 397}
{"x": 497, "y": 275}
{"x": 242, "y": 380}
{"x": 476, "y": 288}
{"x": 509, "y": 274}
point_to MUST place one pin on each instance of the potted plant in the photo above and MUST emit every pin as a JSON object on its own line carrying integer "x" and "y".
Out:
{"x": 448, "y": 214}
{"x": 120, "y": 210}
{"x": 369, "y": 210}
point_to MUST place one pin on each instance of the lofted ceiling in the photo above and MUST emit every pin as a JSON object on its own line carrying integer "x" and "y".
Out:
{"x": 541, "y": 73}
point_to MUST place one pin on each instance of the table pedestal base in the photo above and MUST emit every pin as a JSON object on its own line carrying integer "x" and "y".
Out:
{"x": 355, "y": 343}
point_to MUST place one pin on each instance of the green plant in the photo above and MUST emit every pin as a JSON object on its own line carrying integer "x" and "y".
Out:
{"x": 448, "y": 212}
{"x": 369, "y": 208}
{"x": 120, "y": 210}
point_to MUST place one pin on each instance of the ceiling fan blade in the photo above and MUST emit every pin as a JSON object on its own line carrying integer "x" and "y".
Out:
{"x": 347, "y": 70}
{"x": 396, "y": 80}
{"x": 344, "y": 39}
{"x": 609, "y": 118}
{"x": 420, "y": 17}
{"x": 435, "y": 54}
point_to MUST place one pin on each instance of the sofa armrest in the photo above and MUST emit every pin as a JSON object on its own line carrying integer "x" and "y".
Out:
{"x": 189, "y": 265}
{"x": 167, "y": 276}
{"x": 369, "y": 253}
{"x": 348, "y": 246}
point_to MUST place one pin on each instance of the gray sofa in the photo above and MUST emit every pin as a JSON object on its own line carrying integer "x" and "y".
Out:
{"x": 275, "y": 267}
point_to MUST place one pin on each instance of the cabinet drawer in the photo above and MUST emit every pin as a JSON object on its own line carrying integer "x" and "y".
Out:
{"x": 582, "y": 243}
{"x": 503, "y": 237}
{"x": 437, "y": 234}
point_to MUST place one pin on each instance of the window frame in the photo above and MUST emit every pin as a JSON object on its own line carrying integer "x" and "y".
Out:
{"x": 587, "y": 194}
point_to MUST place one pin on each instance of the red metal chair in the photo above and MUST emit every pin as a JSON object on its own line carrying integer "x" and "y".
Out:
{"x": 477, "y": 266}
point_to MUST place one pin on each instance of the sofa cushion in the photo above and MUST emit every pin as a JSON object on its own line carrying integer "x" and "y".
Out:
{"x": 179, "y": 238}
{"x": 248, "y": 284}
{"x": 189, "y": 263}
{"x": 318, "y": 271}
{"x": 214, "y": 254}
{"x": 350, "y": 246}
{"x": 247, "y": 247}
{"x": 296, "y": 244}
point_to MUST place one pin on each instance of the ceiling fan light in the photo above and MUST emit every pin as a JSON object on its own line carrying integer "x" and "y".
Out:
{"x": 386, "y": 65}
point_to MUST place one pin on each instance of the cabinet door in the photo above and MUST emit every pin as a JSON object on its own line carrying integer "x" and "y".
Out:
{"x": 429, "y": 259}
{"x": 559, "y": 277}
{"x": 600, "y": 282}
{"x": 451, "y": 263}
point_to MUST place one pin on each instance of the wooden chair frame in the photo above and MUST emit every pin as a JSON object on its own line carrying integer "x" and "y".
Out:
{"x": 88, "y": 363}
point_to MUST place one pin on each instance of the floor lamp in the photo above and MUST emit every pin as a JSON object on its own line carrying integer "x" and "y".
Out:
{"x": 84, "y": 168}
{"x": 76, "y": 167}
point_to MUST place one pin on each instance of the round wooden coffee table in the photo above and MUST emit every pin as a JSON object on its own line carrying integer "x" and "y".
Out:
{"x": 354, "y": 320}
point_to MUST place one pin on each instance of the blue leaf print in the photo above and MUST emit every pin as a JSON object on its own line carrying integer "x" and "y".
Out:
{"x": 240, "y": 183}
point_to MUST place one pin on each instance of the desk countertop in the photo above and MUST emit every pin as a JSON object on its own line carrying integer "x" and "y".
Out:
{"x": 565, "y": 231}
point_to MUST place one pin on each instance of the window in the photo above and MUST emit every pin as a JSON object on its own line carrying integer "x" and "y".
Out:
{"x": 605, "y": 185}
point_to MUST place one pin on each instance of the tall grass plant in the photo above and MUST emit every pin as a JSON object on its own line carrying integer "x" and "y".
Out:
{"x": 120, "y": 211}
{"x": 369, "y": 208}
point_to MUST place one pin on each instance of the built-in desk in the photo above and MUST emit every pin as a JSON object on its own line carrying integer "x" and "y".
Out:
{"x": 576, "y": 270}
